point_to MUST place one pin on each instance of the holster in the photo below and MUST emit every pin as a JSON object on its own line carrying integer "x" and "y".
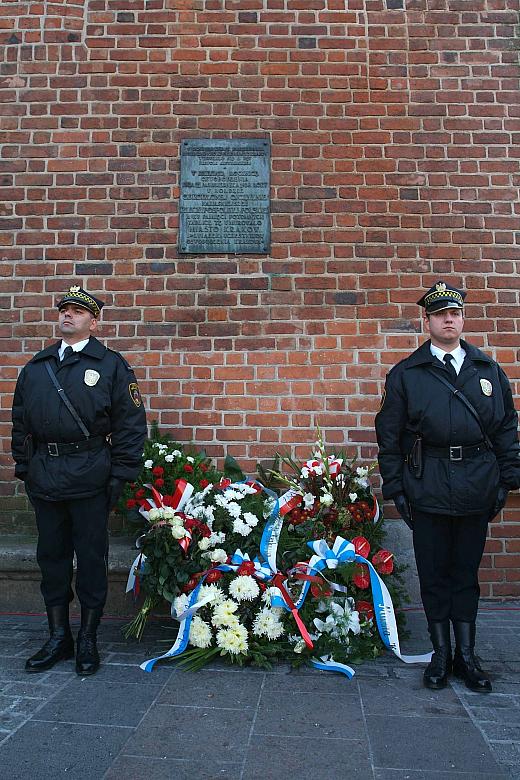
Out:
{"x": 414, "y": 458}
{"x": 28, "y": 447}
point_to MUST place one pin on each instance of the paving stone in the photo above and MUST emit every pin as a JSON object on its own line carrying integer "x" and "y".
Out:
{"x": 209, "y": 688}
{"x": 195, "y": 733}
{"x": 445, "y": 744}
{"x": 409, "y": 698}
{"x": 414, "y": 774}
{"x": 135, "y": 768}
{"x": 309, "y": 715}
{"x": 115, "y": 704}
{"x": 44, "y": 751}
{"x": 279, "y": 757}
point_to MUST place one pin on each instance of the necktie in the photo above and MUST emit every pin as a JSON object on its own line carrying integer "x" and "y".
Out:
{"x": 451, "y": 368}
{"x": 68, "y": 352}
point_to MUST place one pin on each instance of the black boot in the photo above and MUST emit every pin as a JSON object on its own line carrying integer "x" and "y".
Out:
{"x": 465, "y": 664}
{"x": 436, "y": 673}
{"x": 60, "y": 645}
{"x": 87, "y": 656}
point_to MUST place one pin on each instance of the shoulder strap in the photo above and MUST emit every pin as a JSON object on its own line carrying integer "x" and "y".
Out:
{"x": 65, "y": 399}
{"x": 459, "y": 394}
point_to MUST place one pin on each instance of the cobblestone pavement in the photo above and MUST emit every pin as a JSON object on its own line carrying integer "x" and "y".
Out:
{"x": 246, "y": 724}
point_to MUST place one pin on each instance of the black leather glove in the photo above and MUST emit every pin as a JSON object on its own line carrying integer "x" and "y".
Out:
{"x": 403, "y": 507}
{"x": 115, "y": 488}
{"x": 501, "y": 499}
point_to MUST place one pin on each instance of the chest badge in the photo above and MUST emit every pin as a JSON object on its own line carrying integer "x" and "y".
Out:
{"x": 91, "y": 377}
{"x": 486, "y": 387}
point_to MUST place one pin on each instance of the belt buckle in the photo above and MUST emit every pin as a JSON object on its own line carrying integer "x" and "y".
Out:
{"x": 456, "y": 453}
{"x": 52, "y": 449}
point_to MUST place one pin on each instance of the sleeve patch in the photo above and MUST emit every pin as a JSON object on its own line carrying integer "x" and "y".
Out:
{"x": 135, "y": 395}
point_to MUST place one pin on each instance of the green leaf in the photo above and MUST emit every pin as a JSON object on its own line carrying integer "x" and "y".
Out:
{"x": 232, "y": 469}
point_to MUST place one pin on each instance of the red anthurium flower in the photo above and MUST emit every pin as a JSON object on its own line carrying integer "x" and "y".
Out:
{"x": 361, "y": 578}
{"x": 188, "y": 468}
{"x": 224, "y": 483}
{"x": 247, "y": 567}
{"x": 214, "y": 576}
{"x": 204, "y": 483}
{"x": 320, "y": 591}
{"x": 159, "y": 483}
{"x": 158, "y": 471}
{"x": 383, "y": 561}
{"x": 362, "y": 546}
{"x": 366, "y": 609}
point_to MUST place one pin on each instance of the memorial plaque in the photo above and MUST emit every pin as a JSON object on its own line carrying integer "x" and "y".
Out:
{"x": 224, "y": 204}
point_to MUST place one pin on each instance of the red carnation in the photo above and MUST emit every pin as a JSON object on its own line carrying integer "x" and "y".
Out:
{"x": 361, "y": 578}
{"x": 247, "y": 567}
{"x": 131, "y": 503}
{"x": 383, "y": 561}
{"x": 158, "y": 471}
{"x": 362, "y": 546}
{"x": 159, "y": 483}
{"x": 214, "y": 576}
{"x": 203, "y": 483}
{"x": 366, "y": 609}
{"x": 203, "y": 467}
{"x": 140, "y": 493}
{"x": 188, "y": 468}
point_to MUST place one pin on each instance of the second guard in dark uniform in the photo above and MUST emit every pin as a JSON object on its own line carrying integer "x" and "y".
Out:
{"x": 78, "y": 433}
{"x": 448, "y": 453}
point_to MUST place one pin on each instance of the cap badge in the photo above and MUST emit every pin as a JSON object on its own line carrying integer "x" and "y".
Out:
{"x": 91, "y": 377}
{"x": 486, "y": 386}
{"x": 75, "y": 288}
{"x": 440, "y": 287}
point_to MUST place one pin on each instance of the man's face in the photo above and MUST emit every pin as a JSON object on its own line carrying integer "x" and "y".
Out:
{"x": 75, "y": 323}
{"x": 445, "y": 327}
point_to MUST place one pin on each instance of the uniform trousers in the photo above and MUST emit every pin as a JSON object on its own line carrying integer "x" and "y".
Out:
{"x": 73, "y": 526}
{"x": 448, "y": 551}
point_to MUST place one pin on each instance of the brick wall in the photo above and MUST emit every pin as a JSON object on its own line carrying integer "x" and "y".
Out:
{"x": 395, "y": 143}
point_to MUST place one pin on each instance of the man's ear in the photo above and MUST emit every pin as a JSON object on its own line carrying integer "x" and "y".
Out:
{"x": 93, "y": 324}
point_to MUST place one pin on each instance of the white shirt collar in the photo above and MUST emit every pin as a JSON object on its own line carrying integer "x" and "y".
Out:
{"x": 458, "y": 355}
{"x": 76, "y": 347}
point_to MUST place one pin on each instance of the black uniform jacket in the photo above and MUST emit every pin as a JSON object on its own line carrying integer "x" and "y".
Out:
{"x": 415, "y": 402}
{"x": 102, "y": 388}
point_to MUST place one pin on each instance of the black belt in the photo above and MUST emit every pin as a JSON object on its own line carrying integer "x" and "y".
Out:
{"x": 56, "y": 448}
{"x": 455, "y": 452}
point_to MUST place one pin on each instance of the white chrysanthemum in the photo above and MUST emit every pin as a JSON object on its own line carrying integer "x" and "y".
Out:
{"x": 224, "y": 613}
{"x": 148, "y": 464}
{"x": 221, "y": 501}
{"x": 234, "y": 509}
{"x": 233, "y": 640}
{"x": 217, "y": 537}
{"x": 233, "y": 495}
{"x": 239, "y": 527}
{"x": 244, "y": 588}
{"x": 250, "y": 519}
{"x": 200, "y": 633}
{"x": 180, "y": 604}
{"x": 267, "y": 624}
{"x": 216, "y": 593}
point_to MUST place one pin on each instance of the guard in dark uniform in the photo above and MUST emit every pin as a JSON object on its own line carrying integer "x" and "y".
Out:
{"x": 78, "y": 433}
{"x": 448, "y": 453}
